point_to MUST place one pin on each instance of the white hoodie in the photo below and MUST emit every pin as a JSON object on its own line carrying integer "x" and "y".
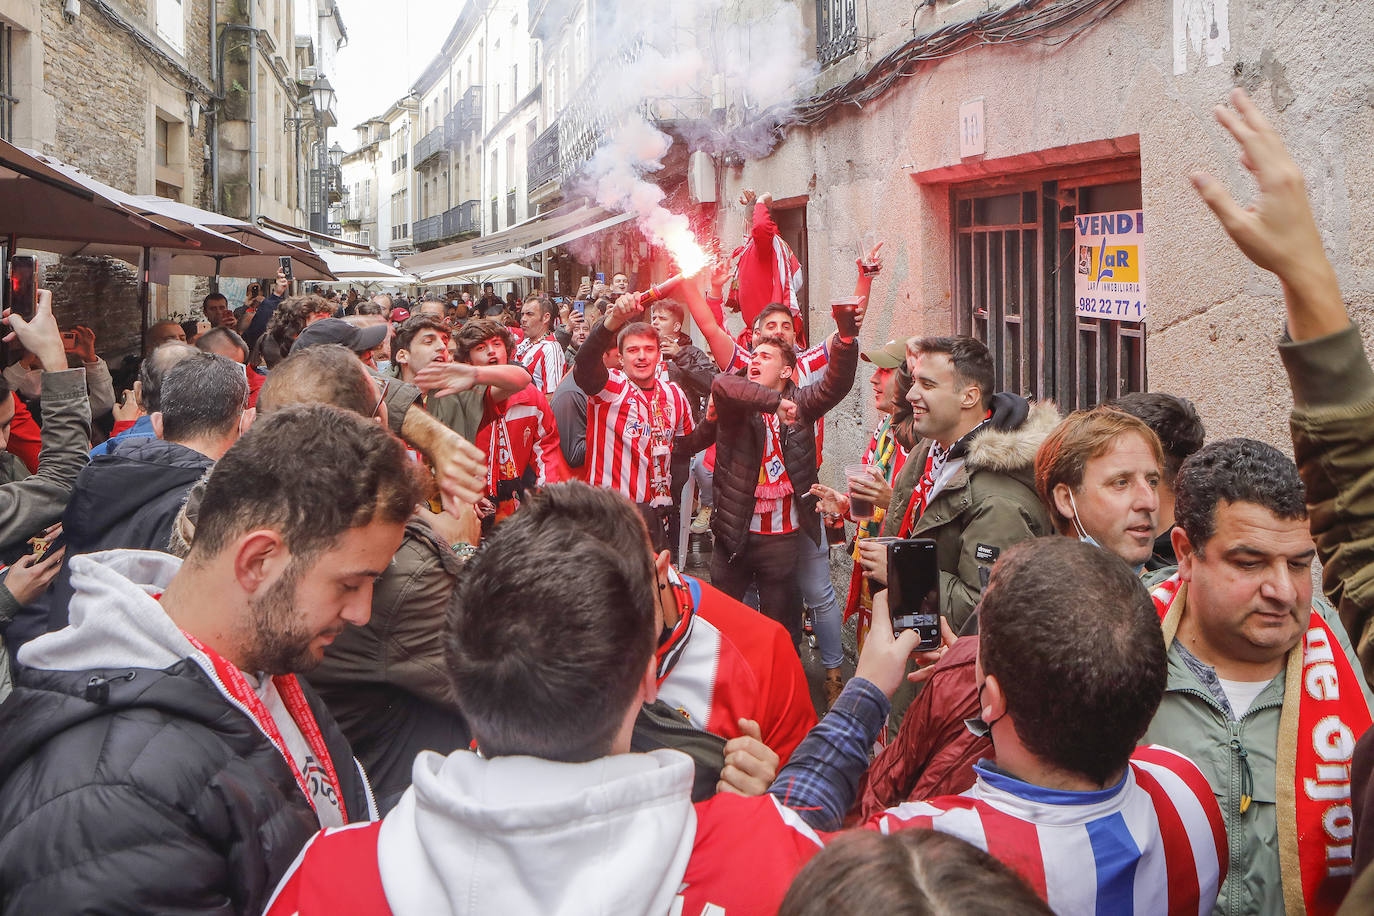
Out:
{"x": 525, "y": 835}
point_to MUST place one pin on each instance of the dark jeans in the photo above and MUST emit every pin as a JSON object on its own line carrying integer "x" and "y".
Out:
{"x": 768, "y": 561}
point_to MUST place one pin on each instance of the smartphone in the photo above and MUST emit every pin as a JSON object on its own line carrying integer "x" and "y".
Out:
{"x": 22, "y": 289}
{"x": 913, "y": 590}
{"x": 285, "y": 267}
{"x": 601, "y": 278}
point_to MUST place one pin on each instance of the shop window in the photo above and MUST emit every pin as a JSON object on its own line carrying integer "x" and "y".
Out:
{"x": 1014, "y": 265}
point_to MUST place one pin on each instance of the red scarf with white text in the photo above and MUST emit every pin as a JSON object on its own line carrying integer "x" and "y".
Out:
{"x": 237, "y": 686}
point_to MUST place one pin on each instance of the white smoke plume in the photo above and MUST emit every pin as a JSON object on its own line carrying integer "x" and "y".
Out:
{"x": 691, "y": 58}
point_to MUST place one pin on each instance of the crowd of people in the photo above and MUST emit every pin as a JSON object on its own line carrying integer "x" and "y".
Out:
{"x": 359, "y": 606}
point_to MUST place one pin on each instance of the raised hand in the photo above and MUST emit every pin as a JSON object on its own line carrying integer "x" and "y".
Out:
{"x": 1276, "y": 230}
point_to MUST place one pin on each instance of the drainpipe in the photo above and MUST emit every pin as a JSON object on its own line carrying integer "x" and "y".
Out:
{"x": 212, "y": 128}
{"x": 252, "y": 111}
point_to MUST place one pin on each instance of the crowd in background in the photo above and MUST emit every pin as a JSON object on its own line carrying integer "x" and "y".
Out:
{"x": 376, "y": 605}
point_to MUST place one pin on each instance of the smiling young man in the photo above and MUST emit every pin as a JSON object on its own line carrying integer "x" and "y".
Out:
{"x": 969, "y": 485}
{"x": 160, "y": 753}
{"x": 635, "y": 417}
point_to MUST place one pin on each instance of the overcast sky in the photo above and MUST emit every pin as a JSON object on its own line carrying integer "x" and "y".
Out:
{"x": 389, "y": 43}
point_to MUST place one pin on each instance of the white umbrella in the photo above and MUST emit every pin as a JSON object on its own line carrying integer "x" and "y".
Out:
{"x": 493, "y": 274}
{"x": 357, "y": 267}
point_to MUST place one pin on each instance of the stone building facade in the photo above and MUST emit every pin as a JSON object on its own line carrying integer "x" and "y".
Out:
{"x": 1106, "y": 112}
{"x": 122, "y": 91}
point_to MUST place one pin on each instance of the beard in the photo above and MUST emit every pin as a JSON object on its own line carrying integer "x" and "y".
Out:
{"x": 278, "y": 642}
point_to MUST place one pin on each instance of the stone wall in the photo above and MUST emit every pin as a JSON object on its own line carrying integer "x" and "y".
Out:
{"x": 1214, "y": 317}
{"x": 105, "y": 90}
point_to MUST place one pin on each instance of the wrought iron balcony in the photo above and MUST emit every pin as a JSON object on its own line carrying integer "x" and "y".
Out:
{"x": 431, "y": 145}
{"x": 585, "y": 122}
{"x": 837, "y": 30}
{"x": 463, "y": 219}
{"x": 470, "y": 109}
{"x": 543, "y": 159}
{"x": 429, "y": 229}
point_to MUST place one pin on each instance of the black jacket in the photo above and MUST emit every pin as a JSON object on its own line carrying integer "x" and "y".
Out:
{"x": 127, "y": 498}
{"x": 144, "y": 791}
{"x": 739, "y": 431}
{"x": 387, "y": 682}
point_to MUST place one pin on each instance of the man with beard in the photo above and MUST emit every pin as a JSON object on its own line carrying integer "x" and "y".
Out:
{"x": 160, "y": 753}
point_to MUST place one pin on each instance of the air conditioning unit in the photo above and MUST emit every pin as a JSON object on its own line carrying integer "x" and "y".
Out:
{"x": 701, "y": 177}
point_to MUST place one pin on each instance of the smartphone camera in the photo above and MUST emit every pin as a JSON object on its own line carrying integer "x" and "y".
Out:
{"x": 285, "y": 268}
{"x": 913, "y": 575}
{"x": 21, "y": 292}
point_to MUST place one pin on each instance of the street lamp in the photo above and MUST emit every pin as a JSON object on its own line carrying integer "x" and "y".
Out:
{"x": 336, "y": 154}
{"x": 323, "y": 95}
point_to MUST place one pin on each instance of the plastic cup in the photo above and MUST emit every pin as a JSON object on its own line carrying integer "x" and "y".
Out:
{"x": 860, "y": 507}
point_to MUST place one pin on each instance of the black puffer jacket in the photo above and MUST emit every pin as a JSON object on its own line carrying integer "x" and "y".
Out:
{"x": 740, "y": 405}
{"x": 139, "y": 790}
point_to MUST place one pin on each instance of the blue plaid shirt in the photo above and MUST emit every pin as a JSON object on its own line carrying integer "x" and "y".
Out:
{"x": 822, "y": 776}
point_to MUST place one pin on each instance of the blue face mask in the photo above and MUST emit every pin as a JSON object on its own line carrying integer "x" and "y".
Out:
{"x": 1078, "y": 526}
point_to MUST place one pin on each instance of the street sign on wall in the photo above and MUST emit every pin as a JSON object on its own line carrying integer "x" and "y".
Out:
{"x": 1109, "y": 281}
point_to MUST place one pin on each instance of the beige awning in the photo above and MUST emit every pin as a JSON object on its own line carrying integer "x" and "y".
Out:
{"x": 509, "y": 244}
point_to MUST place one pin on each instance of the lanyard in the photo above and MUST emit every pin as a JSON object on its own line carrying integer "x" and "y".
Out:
{"x": 660, "y": 441}
{"x": 294, "y": 698}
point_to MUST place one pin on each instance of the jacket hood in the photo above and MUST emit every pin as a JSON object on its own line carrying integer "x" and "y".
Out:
{"x": 513, "y": 835}
{"x": 1009, "y": 442}
{"x": 120, "y": 650}
{"x": 113, "y": 619}
{"x": 134, "y": 473}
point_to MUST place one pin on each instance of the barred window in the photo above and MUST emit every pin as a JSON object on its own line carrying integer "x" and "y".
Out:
{"x": 1014, "y": 288}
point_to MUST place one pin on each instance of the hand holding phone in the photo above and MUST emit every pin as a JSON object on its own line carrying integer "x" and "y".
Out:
{"x": 913, "y": 577}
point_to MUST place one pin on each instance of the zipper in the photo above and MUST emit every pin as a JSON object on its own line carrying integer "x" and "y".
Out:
{"x": 209, "y": 668}
{"x": 372, "y": 812}
{"x": 1240, "y": 777}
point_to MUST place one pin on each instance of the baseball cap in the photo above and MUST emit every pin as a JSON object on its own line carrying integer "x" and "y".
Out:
{"x": 889, "y": 356}
{"x": 338, "y": 331}
{"x": 399, "y": 314}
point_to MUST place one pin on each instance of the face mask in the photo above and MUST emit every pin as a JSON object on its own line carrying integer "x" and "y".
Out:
{"x": 1078, "y": 526}
{"x": 977, "y": 726}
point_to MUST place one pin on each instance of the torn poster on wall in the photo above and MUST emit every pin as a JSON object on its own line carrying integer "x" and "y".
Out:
{"x": 1205, "y": 26}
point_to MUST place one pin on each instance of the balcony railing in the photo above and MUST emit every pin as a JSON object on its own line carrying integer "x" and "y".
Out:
{"x": 470, "y": 110}
{"x": 429, "y": 229}
{"x": 543, "y": 159}
{"x": 431, "y": 145}
{"x": 463, "y": 219}
{"x": 837, "y": 30}
{"x": 585, "y": 122}
{"x": 453, "y": 134}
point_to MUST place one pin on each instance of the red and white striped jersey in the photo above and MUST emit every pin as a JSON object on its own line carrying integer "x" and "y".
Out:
{"x": 516, "y": 434}
{"x": 545, "y": 360}
{"x": 1155, "y": 844}
{"x": 620, "y": 433}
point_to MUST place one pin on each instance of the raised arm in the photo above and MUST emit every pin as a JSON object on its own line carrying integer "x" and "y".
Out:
{"x": 721, "y": 345}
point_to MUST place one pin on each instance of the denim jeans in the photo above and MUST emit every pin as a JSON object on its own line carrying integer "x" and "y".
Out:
{"x": 703, "y": 477}
{"x": 818, "y": 593}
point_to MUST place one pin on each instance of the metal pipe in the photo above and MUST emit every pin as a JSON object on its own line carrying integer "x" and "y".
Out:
{"x": 212, "y": 127}
{"x": 252, "y": 110}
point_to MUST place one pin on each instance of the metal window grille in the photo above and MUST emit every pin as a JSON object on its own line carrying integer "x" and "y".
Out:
{"x": 1014, "y": 290}
{"x": 837, "y": 30}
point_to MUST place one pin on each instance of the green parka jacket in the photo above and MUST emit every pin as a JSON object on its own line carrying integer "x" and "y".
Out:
{"x": 986, "y": 507}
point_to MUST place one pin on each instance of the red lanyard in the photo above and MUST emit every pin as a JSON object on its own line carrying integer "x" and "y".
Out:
{"x": 290, "y": 690}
